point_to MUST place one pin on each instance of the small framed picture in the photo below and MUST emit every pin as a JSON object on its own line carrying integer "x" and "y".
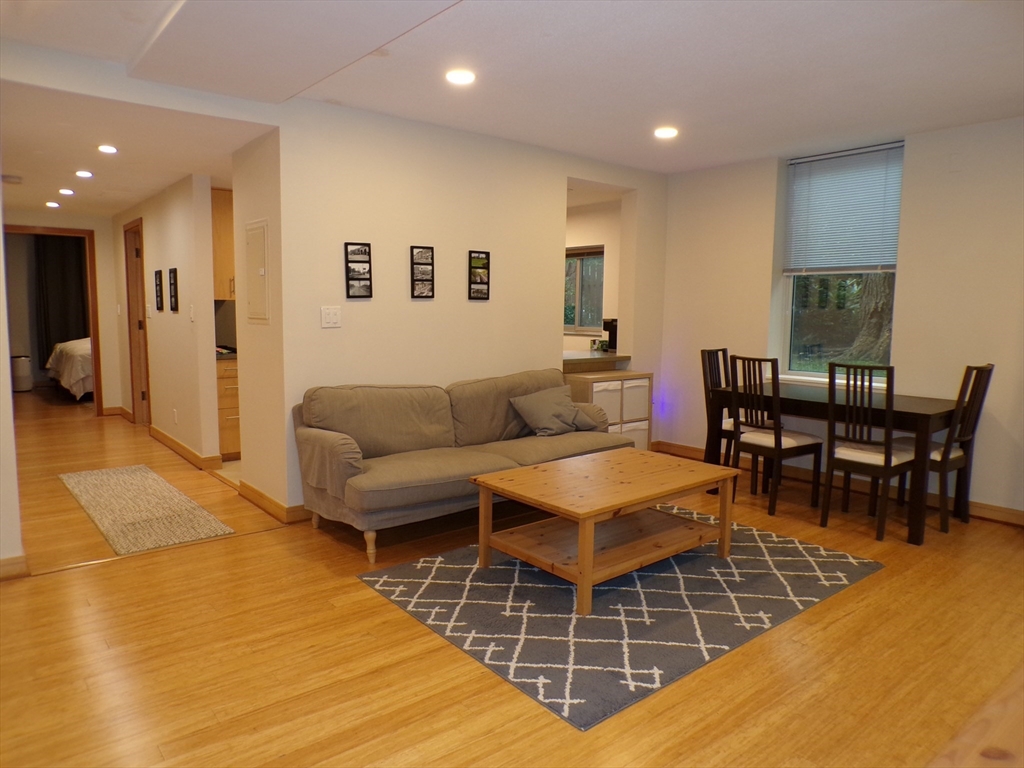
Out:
{"x": 358, "y": 273}
{"x": 158, "y": 279}
{"x": 172, "y": 288}
{"x": 479, "y": 275}
{"x": 421, "y": 262}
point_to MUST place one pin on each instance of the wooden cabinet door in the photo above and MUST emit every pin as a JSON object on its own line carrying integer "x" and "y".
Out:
{"x": 223, "y": 244}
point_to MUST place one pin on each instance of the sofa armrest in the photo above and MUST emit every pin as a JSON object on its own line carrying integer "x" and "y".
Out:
{"x": 596, "y": 414}
{"x": 328, "y": 459}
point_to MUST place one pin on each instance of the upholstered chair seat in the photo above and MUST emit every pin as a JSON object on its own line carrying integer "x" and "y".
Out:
{"x": 766, "y": 438}
{"x": 902, "y": 452}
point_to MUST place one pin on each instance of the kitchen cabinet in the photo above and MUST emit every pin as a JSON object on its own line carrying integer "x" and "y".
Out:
{"x": 223, "y": 245}
{"x": 227, "y": 409}
{"x": 624, "y": 395}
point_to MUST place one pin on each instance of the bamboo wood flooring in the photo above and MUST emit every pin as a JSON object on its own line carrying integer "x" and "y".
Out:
{"x": 54, "y": 434}
{"x": 266, "y": 650}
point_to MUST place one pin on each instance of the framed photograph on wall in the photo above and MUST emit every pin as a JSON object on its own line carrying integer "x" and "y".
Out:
{"x": 358, "y": 274}
{"x": 158, "y": 278}
{"x": 479, "y": 275}
{"x": 421, "y": 262}
{"x": 172, "y": 288}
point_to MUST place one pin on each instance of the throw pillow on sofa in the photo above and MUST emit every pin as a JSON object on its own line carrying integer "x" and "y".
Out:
{"x": 551, "y": 412}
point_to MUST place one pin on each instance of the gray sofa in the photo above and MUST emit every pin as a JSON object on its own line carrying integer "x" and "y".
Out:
{"x": 380, "y": 456}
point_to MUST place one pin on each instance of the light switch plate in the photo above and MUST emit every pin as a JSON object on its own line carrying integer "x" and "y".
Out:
{"x": 330, "y": 317}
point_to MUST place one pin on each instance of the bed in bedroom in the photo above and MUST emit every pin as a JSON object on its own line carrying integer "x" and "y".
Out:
{"x": 71, "y": 365}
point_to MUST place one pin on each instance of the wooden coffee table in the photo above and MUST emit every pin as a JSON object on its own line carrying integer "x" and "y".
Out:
{"x": 616, "y": 489}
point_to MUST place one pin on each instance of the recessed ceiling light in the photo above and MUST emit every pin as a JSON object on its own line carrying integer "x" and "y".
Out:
{"x": 66, "y": 191}
{"x": 107, "y": 149}
{"x": 460, "y": 77}
{"x": 666, "y": 132}
{"x": 84, "y": 174}
{"x": 51, "y": 204}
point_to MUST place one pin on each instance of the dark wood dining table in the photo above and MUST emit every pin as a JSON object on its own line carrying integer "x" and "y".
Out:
{"x": 923, "y": 416}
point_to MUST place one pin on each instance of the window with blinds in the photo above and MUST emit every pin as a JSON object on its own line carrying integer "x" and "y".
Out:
{"x": 584, "y": 289}
{"x": 840, "y": 260}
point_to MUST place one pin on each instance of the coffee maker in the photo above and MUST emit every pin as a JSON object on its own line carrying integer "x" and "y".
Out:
{"x": 611, "y": 326}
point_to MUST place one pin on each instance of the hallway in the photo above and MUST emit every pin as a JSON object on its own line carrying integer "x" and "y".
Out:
{"x": 55, "y": 434}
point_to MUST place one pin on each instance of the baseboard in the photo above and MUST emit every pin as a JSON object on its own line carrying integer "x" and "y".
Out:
{"x": 997, "y": 514}
{"x": 273, "y": 507}
{"x": 14, "y": 568}
{"x": 117, "y": 410}
{"x": 193, "y": 458}
{"x": 981, "y": 511}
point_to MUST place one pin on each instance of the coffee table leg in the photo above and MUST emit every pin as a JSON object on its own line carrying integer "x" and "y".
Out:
{"x": 585, "y": 564}
{"x": 486, "y": 498}
{"x": 724, "y": 517}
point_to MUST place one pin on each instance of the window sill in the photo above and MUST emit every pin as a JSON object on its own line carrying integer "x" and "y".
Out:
{"x": 814, "y": 380}
{"x": 595, "y": 334}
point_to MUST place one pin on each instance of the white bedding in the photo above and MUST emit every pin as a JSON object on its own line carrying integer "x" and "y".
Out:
{"x": 71, "y": 365}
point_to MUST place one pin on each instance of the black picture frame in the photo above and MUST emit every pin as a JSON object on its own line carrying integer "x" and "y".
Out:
{"x": 158, "y": 293}
{"x": 479, "y": 275}
{"x": 172, "y": 288}
{"x": 358, "y": 271}
{"x": 421, "y": 271}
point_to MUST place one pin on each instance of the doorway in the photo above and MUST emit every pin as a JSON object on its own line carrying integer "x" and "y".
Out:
{"x": 89, "y": 241}
{"x": 138, "y": 349}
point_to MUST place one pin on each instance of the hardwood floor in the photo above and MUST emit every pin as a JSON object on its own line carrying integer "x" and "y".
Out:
{"x": 55, "y": 434}
{"x": 265, "y": 649}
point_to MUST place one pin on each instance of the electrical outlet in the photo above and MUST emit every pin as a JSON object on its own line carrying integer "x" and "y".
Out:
{"x": 330, "y": 317}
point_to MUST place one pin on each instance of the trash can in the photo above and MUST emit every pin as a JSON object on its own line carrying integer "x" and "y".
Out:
{"x": 21, "y": 373}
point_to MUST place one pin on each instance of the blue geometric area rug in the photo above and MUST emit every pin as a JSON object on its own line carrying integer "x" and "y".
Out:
{"x": 648, "y": 628}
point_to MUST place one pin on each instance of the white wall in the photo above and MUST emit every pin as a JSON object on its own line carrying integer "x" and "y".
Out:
{"x": 265, "y": 422}
{"x": 177, "y": 232}
{"x": 960, "y": 286}
{"x": 718, "y": 282}
{"x": 10, "y": 510}
{"x": 597, "y": 224}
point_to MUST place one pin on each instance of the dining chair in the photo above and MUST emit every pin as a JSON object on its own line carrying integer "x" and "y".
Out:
{"x": 957, "y": 451}
{"x": 756, "y": 411}
{"x": 715, "y": 365}
{"x": 856, "y": 444}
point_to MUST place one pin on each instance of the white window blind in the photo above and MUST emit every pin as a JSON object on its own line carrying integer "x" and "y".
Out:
{"x": 844, "y": 211}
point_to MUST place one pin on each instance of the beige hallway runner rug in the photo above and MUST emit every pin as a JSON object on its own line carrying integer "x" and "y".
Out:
{"x": 135, "y": 509}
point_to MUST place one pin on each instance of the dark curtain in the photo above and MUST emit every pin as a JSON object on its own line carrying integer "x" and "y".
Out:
{"x": 62, "y": 311}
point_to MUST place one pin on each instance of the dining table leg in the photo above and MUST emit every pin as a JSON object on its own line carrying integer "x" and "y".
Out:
{"x": 917, "y": 509}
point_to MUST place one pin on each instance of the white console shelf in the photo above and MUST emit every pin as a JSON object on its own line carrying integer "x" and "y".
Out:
{"x": 624, "y": 395}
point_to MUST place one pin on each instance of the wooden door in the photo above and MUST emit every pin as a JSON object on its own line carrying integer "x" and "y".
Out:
{"x": 136, "y": 275}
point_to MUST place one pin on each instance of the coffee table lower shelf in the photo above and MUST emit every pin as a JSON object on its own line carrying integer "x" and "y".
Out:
{"x": 621, "y": 544}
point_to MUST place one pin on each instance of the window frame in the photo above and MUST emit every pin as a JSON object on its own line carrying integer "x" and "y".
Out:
{"x": 789, "y": 276}
{"x": 578, "y": 254}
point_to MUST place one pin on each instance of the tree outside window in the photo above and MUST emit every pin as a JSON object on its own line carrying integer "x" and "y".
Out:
{"x": 584, "y": 289}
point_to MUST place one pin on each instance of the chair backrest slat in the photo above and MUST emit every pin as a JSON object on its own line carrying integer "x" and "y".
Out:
{"x": 969, "y": 401}
{"x": 715, "y": 366}
{"x": 867, "y": 405}
{"x": 752, "y": 405}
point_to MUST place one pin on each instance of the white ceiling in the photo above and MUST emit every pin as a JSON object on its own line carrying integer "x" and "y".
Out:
{"x": 741, "y": 79}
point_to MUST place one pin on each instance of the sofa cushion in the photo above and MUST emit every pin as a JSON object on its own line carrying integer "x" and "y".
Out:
{"x": 551, "y": 412}
{"x": 535, "y": 450}
{"x": 481, "y": 409}
{"x": 382, "y": 419}
{"x": 415, "y": 477}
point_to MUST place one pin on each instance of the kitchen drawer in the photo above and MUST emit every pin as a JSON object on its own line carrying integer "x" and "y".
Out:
{"x": 230, "y": 435}
{"x": 227, "y": 369}
{"x": 227, "y": 393}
